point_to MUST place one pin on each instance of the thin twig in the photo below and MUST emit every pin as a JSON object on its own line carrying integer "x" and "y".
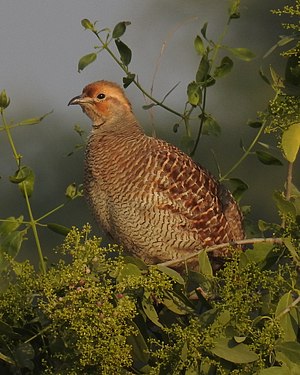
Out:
{"x": 164, "y": 45}
{"x": 246, "y": 153}
{"x": 289, "y": 308}
{"x": 288, "y": 188}
{"x": 289, "y": 181}
{"x": 222, "y": 245}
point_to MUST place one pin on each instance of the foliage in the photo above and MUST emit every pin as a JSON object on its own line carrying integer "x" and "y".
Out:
{"x": 209, "y": 70}
{"x": 107, "y": 313}
{"x": 13, "y": 230}
{"x": 98, "y": 311}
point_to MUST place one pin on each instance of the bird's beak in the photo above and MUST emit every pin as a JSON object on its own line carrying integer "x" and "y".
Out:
{"x": 79, "y": 100}
{"x": 75, "y": 100}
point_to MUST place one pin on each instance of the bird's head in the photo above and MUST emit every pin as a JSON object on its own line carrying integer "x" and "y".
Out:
{"x": 103, "y": 102}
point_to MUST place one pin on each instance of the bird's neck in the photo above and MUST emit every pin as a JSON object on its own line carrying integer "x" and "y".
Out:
{"x": 119, "y": 126}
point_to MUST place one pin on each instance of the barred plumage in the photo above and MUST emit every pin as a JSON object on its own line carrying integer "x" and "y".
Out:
{"x": 151, "y": 197}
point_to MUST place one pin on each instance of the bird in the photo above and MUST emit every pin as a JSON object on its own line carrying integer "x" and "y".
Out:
{"x": 147, "y": 194}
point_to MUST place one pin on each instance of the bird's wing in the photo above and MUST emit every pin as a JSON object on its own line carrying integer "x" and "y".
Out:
{"x": 192, "y": 193}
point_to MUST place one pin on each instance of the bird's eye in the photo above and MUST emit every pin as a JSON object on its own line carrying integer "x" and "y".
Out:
{"x": 101, "y": 96}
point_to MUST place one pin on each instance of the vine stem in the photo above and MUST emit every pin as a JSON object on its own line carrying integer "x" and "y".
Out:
{"x": 222, "y": 245}
{"x": 10, "y": 139}
{"x": 289, "y": 308}
{"x": 288, "y": 188}
{"x": 289, "y": 181}
{"x": 201, "y": 123}
{"x": 216, "y": 49}
{"x": 32, "y": 222}
{"x": 35, "y": 232}
{"x": 246, "y": 153}
{"x": 51, "y": 212}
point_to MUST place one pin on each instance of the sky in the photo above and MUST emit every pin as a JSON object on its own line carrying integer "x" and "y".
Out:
{"x": 41, "y": 42}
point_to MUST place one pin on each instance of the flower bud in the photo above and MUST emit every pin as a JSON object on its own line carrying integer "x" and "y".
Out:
{"x": 4, "y": 100}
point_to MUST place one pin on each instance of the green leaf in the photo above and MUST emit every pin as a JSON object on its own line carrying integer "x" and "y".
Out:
{"x": 239, "y": 339}
{"x": 211, "y": 127}
{"x": 203, "y": 69}
{"x": 175, "y": 127}
{"x": 229, "y": 350}
{"x": 204, "y": 29}
{"x": 277, "y": 79}
{"x": 194, "y": 93}
{"x": 283, "y": 41}
{"x": 242, "y": 53}
{"x": 255, "y": 124}
{"x": 171, "y": 273}
{"x": 120, "y": 29}
{"x": 234, "y": 9}
{"x": 289, "y": 321}
{"x": 7, "y": 359}
{"x": 290, "y": 142}
{"x": 267, "y": 158}
{"x": 291, "y": 350}
{"x": 86, "y": 60}
{"x": 175, "y": 305}
{"x": 263, "y": 225}
{"x": 199, "y": 45}
{"x": 128, "y": 80}
{"x": 10, "y": 224}
{"x": 184, "y": 352}
{"x": 259, "y": 252}
{"x": 284, "y": 206}
{"x": 24, "y": 177}
{"x": 71, "y": 191}
{"x": 204, "y": 264}
{"x": 264, "y": 77}
{"x": 292, "y": 71}
{"x": 295, "y": 193}
{"x": 11, "y": 243}
{"x": 124, "y": 51}
{"x": 23, "y": 355}
{"x": 137, "y": 261}
{"x": 148, "y": 106}
{"x": 187, "y": 142}
{"x": 87, "y": 24}
{"x": 57, "y": 228}
{"x": 33, "y": 120}
{"x": 150, "y": 312}
{"x": 265, "y": 145}
{"x": 288, "y": 243}
{"x": 222, "y": 320}
{"x": 129, "y": 269}
{"x": 139, "y": 345}
{"x": 275, "y": 370}
{"x": 224, "y": 68}
{"x": 239, "y": 187}
{"x": 294, "y": 368}
{"x": 7, "y": 330}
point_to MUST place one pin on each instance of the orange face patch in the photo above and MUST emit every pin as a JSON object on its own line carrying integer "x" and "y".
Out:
{"x": 102, "y": 107}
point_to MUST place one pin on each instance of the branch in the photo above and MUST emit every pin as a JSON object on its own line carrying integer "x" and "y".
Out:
{"x": 222, "y": 245}
{"x": 289, "y": 308}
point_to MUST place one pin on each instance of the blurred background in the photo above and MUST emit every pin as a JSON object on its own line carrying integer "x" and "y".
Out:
{"x": 41, "y": 42}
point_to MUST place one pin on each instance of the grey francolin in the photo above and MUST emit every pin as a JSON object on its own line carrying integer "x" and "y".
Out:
{"x": 148, "y": 195}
